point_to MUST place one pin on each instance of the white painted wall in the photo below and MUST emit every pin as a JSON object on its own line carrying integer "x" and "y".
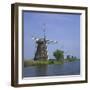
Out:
{"x": 5, "y": 45}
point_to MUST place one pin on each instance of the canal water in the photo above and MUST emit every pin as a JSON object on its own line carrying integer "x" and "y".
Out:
{"x": 70, "y": 68}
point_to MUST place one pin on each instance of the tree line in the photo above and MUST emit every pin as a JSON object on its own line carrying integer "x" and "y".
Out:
{"x": 59, "y": 56}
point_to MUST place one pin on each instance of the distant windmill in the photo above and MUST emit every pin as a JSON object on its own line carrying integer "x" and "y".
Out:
{"x": 41, "y": 49}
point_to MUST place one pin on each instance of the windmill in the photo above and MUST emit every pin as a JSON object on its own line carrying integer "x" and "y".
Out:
{"x": 41, "y": 48}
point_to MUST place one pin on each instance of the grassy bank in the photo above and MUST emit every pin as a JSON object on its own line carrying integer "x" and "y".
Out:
{"x": 41, "y": 62}
{"x": 44, "y": 62}
{"x": 71, "y": 60}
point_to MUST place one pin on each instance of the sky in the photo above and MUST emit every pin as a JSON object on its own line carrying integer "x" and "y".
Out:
{"x": 61, "y": 27}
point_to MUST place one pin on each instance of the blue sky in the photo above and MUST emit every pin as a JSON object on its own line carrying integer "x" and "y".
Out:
{"x": 64, "y": 28}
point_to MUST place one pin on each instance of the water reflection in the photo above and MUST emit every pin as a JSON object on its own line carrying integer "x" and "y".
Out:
{"x": 41, "y": 70}
{"x": 72, "y": 68}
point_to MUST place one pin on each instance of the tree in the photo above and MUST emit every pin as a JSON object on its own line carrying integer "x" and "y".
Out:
{"x": 68, "y": 56}
{"x": 59, "y": 55}
{"x": 71, "y": 58}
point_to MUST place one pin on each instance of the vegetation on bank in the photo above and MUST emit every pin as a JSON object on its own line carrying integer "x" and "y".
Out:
{"x": 59, "y": 59}
{"x": 59, "y": 55}
{"x": 46, "y": 62}
{"x": 40, "y": 62}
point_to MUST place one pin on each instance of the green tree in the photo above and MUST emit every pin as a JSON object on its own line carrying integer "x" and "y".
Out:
{"x": 59, "y": 55}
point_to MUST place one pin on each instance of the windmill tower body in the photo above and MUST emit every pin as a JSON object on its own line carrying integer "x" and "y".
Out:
{"x": 41, "y": 52}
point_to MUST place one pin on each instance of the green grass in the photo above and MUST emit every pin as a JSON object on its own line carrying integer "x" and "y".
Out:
{"x": 46, "y": 62}
{"x": 71, "y": 60}
{"x": 40, "y": 62}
